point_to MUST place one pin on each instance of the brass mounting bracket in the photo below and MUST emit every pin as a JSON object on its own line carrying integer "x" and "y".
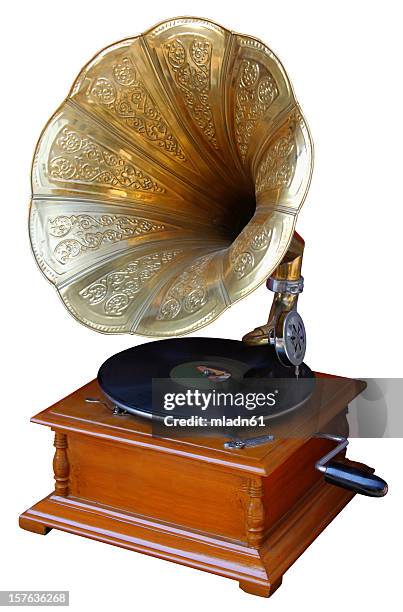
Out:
{"x": 288, "y": 272}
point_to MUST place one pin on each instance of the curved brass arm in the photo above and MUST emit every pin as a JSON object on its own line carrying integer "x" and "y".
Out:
{"x": 289, "y": 269}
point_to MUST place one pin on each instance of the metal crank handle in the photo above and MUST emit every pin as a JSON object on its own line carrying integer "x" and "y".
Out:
{"x": 238, "y": 443}
{"x": 347, "y": 476}
{"x": 355, "y": 479}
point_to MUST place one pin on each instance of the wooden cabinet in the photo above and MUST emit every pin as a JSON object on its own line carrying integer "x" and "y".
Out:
{"x": 246, "y": 514}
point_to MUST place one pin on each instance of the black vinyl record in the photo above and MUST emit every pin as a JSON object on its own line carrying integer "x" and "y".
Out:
{"x": 138, "y": 378}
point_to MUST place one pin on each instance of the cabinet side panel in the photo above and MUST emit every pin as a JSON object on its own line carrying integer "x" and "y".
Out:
{"x": 285, "y": 487}
{"x": 174, "y": 489}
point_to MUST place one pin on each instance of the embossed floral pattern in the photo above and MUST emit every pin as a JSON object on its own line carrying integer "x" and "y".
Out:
{"x": 78, "y": 158}
{"x": 254, "y": 238}
{"x": 190, "y": 65}
{"x": 91, "y": 232}
{"x": 255, "y": 92}
{"x": 189, "y": 292}
{"x": 125, "y": 96}
{"x": 113, "y": 292}
{"x": 277, "y": 166}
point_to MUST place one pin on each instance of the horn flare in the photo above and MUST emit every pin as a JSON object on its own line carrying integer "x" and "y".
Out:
{"x": 168, "y": 183}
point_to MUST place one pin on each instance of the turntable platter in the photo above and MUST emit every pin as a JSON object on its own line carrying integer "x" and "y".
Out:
{"x": 136, "y": 378}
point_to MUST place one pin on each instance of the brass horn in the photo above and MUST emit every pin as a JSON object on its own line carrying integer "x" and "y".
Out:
{"x": 168, "y": 183}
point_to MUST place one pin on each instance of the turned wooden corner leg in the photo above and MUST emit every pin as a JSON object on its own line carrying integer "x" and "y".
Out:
{"x": 254, "y": 512}
{"x": 28, "y": 520}
{"x": 61, "y": 466}
{"x": 254, "y": 528}
{"x": 261, "y": 590}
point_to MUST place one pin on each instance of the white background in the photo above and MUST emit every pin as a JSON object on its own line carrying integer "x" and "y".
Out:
{"x": 345, "y": 62}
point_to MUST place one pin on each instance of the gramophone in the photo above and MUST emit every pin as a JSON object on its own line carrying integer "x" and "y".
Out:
{"x": 166, "y": 187}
